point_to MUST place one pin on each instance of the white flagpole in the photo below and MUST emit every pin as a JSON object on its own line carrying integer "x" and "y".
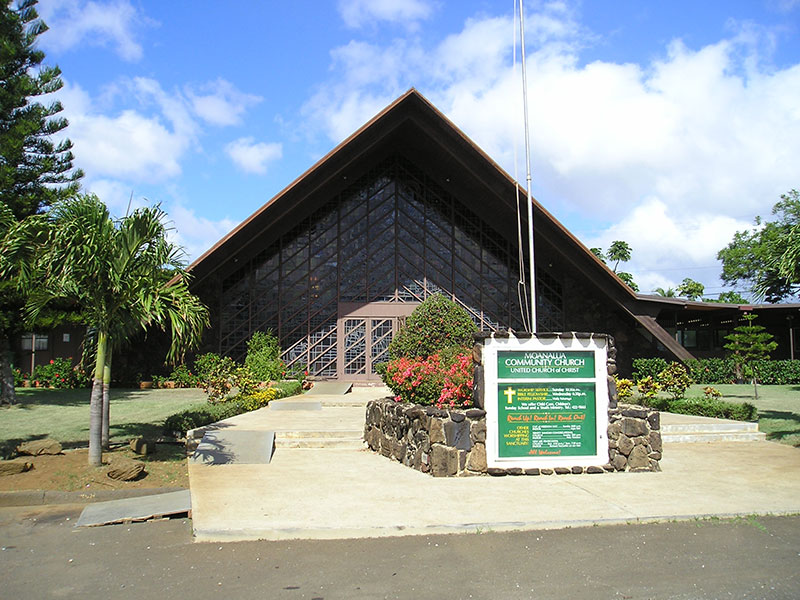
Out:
{"x": 528, "y": 170}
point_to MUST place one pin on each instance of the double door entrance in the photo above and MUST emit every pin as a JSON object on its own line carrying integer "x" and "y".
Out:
{"x": 364, "y": 333}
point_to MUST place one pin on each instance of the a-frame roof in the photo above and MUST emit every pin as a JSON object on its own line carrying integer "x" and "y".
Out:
{"x": 412, "y": 126}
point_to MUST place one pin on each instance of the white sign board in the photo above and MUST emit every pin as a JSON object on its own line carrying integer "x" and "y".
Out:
{"x": 546, "y": 401}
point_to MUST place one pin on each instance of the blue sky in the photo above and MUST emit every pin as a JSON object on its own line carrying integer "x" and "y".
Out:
{"x": 666, "y": 124}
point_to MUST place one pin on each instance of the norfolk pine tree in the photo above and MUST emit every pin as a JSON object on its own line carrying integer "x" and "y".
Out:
{"x": 750, "y": 343}
{"x": 34, "y": 171}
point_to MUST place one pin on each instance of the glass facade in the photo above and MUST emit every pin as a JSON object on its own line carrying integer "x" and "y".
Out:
{"x": 394, "y": 236}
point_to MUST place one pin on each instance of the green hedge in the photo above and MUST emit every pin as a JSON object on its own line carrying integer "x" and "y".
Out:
{"x": 211, "y": 413}
{"x": 704, "y": 407}
{"x": 715, "y": 371}
{"x": 648, "y": 367}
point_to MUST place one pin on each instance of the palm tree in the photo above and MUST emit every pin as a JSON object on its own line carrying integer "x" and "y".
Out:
{"x": 124, "y": 275}
{"x": 667, "y": 293}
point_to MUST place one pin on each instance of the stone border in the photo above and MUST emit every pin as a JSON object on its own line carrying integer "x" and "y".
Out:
{"x": 452, "y": 443}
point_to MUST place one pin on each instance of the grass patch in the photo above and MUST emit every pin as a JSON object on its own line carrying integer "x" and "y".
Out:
{"x": 64, "y": 415}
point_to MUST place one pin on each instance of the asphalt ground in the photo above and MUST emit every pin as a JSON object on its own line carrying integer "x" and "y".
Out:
{"x": 44, "y": 556}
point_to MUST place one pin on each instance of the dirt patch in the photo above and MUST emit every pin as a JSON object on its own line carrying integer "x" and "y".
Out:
{"x": 70, "y": 471}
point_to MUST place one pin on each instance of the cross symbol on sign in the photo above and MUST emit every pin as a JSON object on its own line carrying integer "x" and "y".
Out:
{"x": 509, "y": 393}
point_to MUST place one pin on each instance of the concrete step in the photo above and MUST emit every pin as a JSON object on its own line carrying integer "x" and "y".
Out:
{"x": 328, "y": 438}
{"x": 710, "y": 430}
{"x": 320, "y": 443}
{"x": 712, "y": 436}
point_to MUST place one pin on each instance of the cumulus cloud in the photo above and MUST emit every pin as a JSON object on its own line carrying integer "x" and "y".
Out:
{"x": 357, "y": 13}
{"x": 673, "y": 155}
{"x": 220, "y": 103}
{"x": 129, "y": 144}
{"x": 75, "y": 22}
{"x": 251, "y": 156}
{"x": 196, "y": 234}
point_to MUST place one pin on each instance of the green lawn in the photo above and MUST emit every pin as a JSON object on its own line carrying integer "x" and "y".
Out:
{"x": 64, "y": 414}
{"x": 778, "y": 407}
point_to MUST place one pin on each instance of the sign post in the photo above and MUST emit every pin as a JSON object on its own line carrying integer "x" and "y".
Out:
{"x": 546, "y": 401}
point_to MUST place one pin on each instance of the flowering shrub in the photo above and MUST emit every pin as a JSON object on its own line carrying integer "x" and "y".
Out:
{"x": 711, "y": 393}
{"x": 58, "y": 373}
{"x": 443, "y": 381}
{"x": 258, "y": 399}
{"x": 19, "y": 377}
{"x": 183, "y": 377}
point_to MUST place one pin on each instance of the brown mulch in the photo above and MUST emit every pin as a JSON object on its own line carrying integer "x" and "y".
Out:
{"x": 70, "y": 471}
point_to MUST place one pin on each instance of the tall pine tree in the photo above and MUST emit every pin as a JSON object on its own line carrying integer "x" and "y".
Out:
{"x": 750, "y": 344}
{"x": 35, "y": 170}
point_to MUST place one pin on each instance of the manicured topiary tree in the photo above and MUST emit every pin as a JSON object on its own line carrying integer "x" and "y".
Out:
{"x": 436, "y": 325}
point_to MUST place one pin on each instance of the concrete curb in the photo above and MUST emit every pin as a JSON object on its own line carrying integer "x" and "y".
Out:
{"x": 43, "y": 497}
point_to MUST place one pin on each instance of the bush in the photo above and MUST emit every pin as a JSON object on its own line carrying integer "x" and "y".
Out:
{"x": 220, "y": 378}
{"x": 19, "y": 377}
{"x": 435, "y": 325}
{"x": 443, "y": 379}
{"x": 211, "y": 413}
{"x": 648, "y": 387}
{"x": 711, "y": 393}
{"x": 205, "y": 365}
{"x": 58, "y": 373}
{"x": 624, "y": 388}
{"x": 674, "y": 380}
{"x": 705, "y": 407}
{"x": 648, "y": 367}
{"x": 185, "y": 420}
{"x": 712, "y": 370}
{"x": 264, "y": 357}
{"x": 183, "y": 377}
{"x": 715, "y": 371}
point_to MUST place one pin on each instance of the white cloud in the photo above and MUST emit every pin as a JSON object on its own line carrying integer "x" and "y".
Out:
{"x": 676, "y": 154}
{"x": 130, "y": 144}
{"x": 357, "y": 13}
{"x": 251, "y": 156}
{"x": 194, "y": 233}
{"x": 74, "y": 22}
{"x": 220, "y": 103}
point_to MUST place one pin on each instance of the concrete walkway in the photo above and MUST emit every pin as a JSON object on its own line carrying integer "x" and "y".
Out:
{"x": 335, "y": 493}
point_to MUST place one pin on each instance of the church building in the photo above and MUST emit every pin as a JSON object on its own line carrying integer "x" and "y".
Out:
{"x": 406, "y": 207}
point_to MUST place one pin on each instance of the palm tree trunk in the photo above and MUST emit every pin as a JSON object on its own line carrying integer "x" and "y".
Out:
{"x": 106, "y": 399}
{"x": 7, "y": 393}
{"x": 96, "y": 405}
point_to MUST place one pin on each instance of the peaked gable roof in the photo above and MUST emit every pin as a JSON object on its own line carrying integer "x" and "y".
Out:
{"x": 412, "y": 125}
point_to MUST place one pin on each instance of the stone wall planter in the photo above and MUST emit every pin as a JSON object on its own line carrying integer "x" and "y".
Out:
{"x": 450, "y": 443}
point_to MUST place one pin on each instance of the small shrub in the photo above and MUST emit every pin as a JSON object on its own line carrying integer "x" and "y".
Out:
{"x": 185, "y": 420}
{"x": 19, "y": 377}
{"x": 648, "y": 367}
{"x": 648, "y": 387}
{"x": 183, "y": 377}
{"x": 221, "y": 378}
{"x": 264, "y": 357}
{"x": 624, "y": 388}
{"x": 205, "y": 365}
{"x": 435, "y": 325}
{"x": 257, "y": 399}
{"x": 711, "y": 393}
{"x": 58, "y": 373}
{"x": 674, "y": 380}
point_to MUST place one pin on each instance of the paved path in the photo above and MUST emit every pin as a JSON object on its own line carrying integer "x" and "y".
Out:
{"x": 43, "y": 556}
{"x": 348, "y": 493}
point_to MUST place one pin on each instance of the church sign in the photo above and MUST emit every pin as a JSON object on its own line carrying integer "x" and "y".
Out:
{"x": 546, "y": 401}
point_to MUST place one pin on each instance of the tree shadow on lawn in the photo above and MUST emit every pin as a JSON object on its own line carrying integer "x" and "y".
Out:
{"x": 791, "y": 420}
{"x": 30, "y": 397}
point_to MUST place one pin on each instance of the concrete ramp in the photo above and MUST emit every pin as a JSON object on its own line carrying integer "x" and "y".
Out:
{"x": 142, "y": 508}
{"x": 229, "y": 446}
{"x": 329, "y": 388}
